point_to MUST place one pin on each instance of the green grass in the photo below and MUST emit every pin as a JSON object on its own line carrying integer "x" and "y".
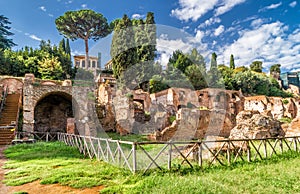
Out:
{"x": 57, "y": 163}
{"x": 130, "y": 137}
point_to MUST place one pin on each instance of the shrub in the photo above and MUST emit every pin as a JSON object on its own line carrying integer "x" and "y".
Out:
{"x": 172, "y": 118}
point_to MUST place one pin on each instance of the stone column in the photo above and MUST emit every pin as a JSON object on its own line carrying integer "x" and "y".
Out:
{"x": 28, "y": 108}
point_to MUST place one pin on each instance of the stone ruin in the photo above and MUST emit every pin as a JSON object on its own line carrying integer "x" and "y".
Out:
{"x": 255, "y": 125}
{"x": 184, "y": 114}
{"x": 172, "y": 114}
{"x": 175, "y": 113}
{"x": 278, "y": 107}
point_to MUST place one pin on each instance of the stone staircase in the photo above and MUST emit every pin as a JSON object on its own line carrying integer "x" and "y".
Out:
{"x": 8, "y": 117}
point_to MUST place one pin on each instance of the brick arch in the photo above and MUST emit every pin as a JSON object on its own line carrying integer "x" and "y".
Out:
{"x": 64, "y": 94}
{"x": 52, "y": 111}
{"x": 33, "y": 93}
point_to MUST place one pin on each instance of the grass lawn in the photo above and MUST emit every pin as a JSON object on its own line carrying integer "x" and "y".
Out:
{"x": 57, "y": 163}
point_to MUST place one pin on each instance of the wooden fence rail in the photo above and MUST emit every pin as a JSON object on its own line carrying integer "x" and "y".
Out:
{"x": 39, "y": 136}
{"x": 142, "y": 156}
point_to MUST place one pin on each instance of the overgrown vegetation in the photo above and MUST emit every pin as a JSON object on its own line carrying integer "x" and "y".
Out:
{"x": 56, "y": 163}
{"x": 286, "y": 120}
{"x": 131, "y": 137}
{"x": 46, "y": 62}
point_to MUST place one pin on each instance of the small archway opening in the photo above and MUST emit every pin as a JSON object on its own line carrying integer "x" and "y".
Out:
{"x": 52, "y": 111}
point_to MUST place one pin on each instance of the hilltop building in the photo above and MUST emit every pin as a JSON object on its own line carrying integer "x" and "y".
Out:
{"x": 290, "y": 78}
{"x": 94, "y": 62}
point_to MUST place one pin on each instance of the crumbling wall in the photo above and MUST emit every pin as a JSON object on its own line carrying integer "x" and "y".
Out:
{"x": 279, "y": 107}
{"x": 14, "y": 85}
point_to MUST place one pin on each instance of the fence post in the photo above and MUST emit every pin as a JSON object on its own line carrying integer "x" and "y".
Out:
{"x": 119, "y": 154}
{"x": 265, "y": 148}
{"x": 200, "y": 154}
{"x": 248, "y": 151}
{"x": 281, "y": 146}
{"x": 295, "y": 143}
{"x": 47, "y": 136}
{"x": 228, "y": 153}
{"x": 170, "y": 156}
{"x": 134, "y": 165}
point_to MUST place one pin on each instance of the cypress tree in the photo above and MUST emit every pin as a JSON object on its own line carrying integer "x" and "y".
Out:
{"x": 62, "y": 45}
{"x": 213, "y": 73}
{"x": 68, "y": 48}
{"x": 232, "y": 65}
{"x": 123, "y": 51}
{"x": 150, "y": 29}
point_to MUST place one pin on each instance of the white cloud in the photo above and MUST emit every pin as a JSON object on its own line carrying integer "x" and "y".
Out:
{"x": 209, "y": 22}
{"x": 166, "y": 47}
{"x": 269, "y": 43}
{"x": 170, "y": 45}
{"x": 236, "y": 22}
{"x": 272, "y": 6}
{"x": 43, "y": 8}
{"x": 199, "y": 36}
{"x": 193, "y": 9}
{"x": 219, "y": 30}
{"x": 227, "y": 5}
{"x": 69, "y": 2}
{"x": 50, "y": 15}
{"x": 34, "y": 37}
{"x": 137, "y": 16}
{"x": 76, "y": 52}
{"x": 293, "y": 4}
{"x": 17, "y": 30}
{"x": 84, "y": 6}
{"x": 257, "y": 23}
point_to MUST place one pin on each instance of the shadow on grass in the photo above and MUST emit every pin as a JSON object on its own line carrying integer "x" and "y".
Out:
{"x": 41, "y": 150}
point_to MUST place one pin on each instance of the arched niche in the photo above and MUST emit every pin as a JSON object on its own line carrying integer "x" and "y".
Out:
{"x": 51, "y": 112}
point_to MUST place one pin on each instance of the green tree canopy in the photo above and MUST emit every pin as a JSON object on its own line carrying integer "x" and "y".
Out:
{"x": 275, "y": 71}
{"x": 83, "y": 24}
{"x": 5, "y": 32}
{"x": 50, "y": 68}
{"x": 123, "y": 50}
{"x": 214, "y": 76}
{"x": 179, "y": 60}
{"x": 256, "y": 66}
{"x": 133, "y": 50}
{"x": 29, "y": 60}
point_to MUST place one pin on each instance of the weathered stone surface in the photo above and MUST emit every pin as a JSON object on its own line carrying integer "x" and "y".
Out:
{"x": 122, "y": 127}
{"x": 279, "y": 107}
{"x": 51, "y": 113}
{"x": 293, "y": 129}
{"x": 14, "y": 85}
{"x": 106, "y": 117}
{"x": 220, "y": 99}
{"x": 196, "y": 124}
{"x": 252, "y": 124}
{"x": 71, "y": 125}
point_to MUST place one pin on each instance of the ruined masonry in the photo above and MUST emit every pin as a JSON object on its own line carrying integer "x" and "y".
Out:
{"x": 171, "y": 114}
{"x": 52, "y": 106}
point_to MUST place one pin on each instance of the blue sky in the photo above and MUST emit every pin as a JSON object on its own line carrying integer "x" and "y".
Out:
{"x": 266, "y": 30}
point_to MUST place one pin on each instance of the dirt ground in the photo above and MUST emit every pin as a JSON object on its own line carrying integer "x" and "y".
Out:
{"x": 36, "y": 188}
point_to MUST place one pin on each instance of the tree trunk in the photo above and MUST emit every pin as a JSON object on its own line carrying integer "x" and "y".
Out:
{"x": 86, "y": 52}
